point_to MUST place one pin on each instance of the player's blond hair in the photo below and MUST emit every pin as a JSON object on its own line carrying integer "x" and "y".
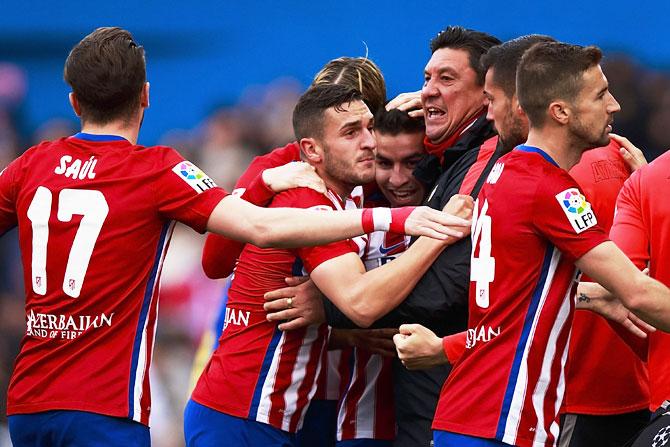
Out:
{"x": 359, "y": 73}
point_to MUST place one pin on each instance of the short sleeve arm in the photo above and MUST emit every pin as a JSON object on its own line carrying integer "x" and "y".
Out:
{"x": 629, "y": 230}
{"x": 183, "y": 192}
{"x": 8, "y": 188}
{"x": 563, "y": 215}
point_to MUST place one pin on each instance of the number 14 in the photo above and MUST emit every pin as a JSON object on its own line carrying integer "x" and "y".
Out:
{"x": 483, "y": 268}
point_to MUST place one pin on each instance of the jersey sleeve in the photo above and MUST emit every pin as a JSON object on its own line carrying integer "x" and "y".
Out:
{"x": 8, "y": 191}
{"x": 183, "y": 192}
{"x": 629, "y": 230}
{"x": 310, "y": 199}
{"x": 561, "y": 212}
{"x": 220, "y": 253}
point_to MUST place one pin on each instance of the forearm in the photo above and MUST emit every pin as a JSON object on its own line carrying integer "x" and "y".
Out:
{"x": 219, "y": 256}
{"x": 376, "y": 292}
{"x": 652, "y": 304}
{"x": 282, "y": 227}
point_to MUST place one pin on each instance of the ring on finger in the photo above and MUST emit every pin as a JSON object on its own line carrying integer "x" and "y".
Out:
{"x": 289, "y": 303}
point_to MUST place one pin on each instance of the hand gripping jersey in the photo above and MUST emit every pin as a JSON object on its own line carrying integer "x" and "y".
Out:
{"x": 259, "y": 372}
{"x": 366, "y": 405}
{"x": 598, "y": 360}
{"x": 642, "y": 230}
{"x": 95, "y": 215}
{"x": 531, "y": 224}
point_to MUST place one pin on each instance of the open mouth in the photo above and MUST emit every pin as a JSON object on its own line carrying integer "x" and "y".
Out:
{"x": 404, "y": 194}
{"x": 434, "y": 112}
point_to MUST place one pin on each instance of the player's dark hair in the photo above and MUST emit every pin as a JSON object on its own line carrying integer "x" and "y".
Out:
{"x": 474, "y": 42}
{"x": 395, "y": 122}
{"x": 359, "y": 73}
{"x": 107, "y": 72}
{"x": 552, "y": 71}
{"x": 504, "y": 60}
{"x": 309, "y": 112}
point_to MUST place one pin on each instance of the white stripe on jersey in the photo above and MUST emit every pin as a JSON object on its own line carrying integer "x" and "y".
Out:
{"x": 298, "y": 376}
{"x": 264, "y": 404}
{"x": 519, "y": 396}
{"x": 141, "y": 373}
{"x": 366, "y": 413}
{"x": 540, "y": 392}
{"x": 342, "y": 410}
{"x": 554, "y": 429}
{"x": 333, "y": 378}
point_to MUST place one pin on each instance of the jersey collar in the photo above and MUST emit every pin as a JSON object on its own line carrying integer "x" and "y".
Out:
{"x": 537, "y": 150}
{"x": 97, "y": 138}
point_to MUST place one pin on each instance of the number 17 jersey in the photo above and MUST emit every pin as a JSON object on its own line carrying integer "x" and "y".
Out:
{"x": 531, "y": 223}
{"x": 94, "y": 214}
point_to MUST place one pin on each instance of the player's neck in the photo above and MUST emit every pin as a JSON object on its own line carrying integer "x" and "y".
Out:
{"x": 120, "y": 129}
{"x": 556, "y": 145}
{"x": 340, "y": 188}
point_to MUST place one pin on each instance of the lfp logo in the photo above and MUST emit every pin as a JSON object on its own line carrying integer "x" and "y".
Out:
{"x": 574, "y": 202}
{"x": 190, "y": 171}
{"x": 192, "y": 175}
{"x": 577, "y": 209}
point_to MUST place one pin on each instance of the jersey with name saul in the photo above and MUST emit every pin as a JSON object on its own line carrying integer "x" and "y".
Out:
{"x": 95, "y": 214}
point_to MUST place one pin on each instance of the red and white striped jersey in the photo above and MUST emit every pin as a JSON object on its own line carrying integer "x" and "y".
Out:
{"x": 259, "y": 372}
{"x": 531, "y": 224}
{"x": 95, "y": 215}
{"x": 366, "y": 405}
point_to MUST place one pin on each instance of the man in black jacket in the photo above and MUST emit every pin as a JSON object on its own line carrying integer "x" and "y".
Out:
{"x": 458, "y": 161}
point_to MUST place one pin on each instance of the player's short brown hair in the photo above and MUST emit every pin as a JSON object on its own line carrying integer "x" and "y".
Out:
{"x": 107, "y": 72}
{"x": 359, "y": 73}
{"x": 552, "y": 71}
{"x": 504, "y": 60}
{"x": 309, "y": 112}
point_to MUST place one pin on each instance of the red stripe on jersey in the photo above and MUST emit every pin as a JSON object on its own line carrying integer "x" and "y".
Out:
{"x": 283, "y": 379}
{"x": 307, "y": 389}
{"x": 475, "y": 172}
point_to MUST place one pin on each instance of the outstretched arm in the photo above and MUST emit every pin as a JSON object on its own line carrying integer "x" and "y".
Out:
{"x": 644, "y": 296}
{"x": 290, "y": 227}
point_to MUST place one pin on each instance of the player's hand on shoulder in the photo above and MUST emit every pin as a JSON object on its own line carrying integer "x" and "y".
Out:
{"x": 409, "y": 102}
{"x": 295, "y": 174}
{"x": 296, "y": 306}
{"x": 418, "y": 347}
{"x": 460, "y": 205}
{"x": 632, "y": 155}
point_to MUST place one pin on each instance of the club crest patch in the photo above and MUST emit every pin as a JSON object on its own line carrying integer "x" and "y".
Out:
{"x": 577, "y": 209}
{"x": 193, "y": 176}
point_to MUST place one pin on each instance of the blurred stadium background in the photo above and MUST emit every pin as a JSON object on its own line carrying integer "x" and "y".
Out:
{"x": 224, "y": 78}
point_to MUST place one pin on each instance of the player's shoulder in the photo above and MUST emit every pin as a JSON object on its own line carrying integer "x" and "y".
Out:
{"x": 302, "y": 198}
{"x": 278, "y": 156}
{"x": 660, "y": 167}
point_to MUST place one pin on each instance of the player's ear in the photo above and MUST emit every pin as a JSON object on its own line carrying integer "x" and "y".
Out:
{"x": 311, "y": 150}
{"x": 74, "y": 102}
{"x": 559, "y": 111}
{"x": 517, "y": 110}
{"x": 144, "y": 100}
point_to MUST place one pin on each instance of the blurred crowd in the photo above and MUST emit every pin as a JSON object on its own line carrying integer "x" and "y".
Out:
{"x": 222, "y": 145}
